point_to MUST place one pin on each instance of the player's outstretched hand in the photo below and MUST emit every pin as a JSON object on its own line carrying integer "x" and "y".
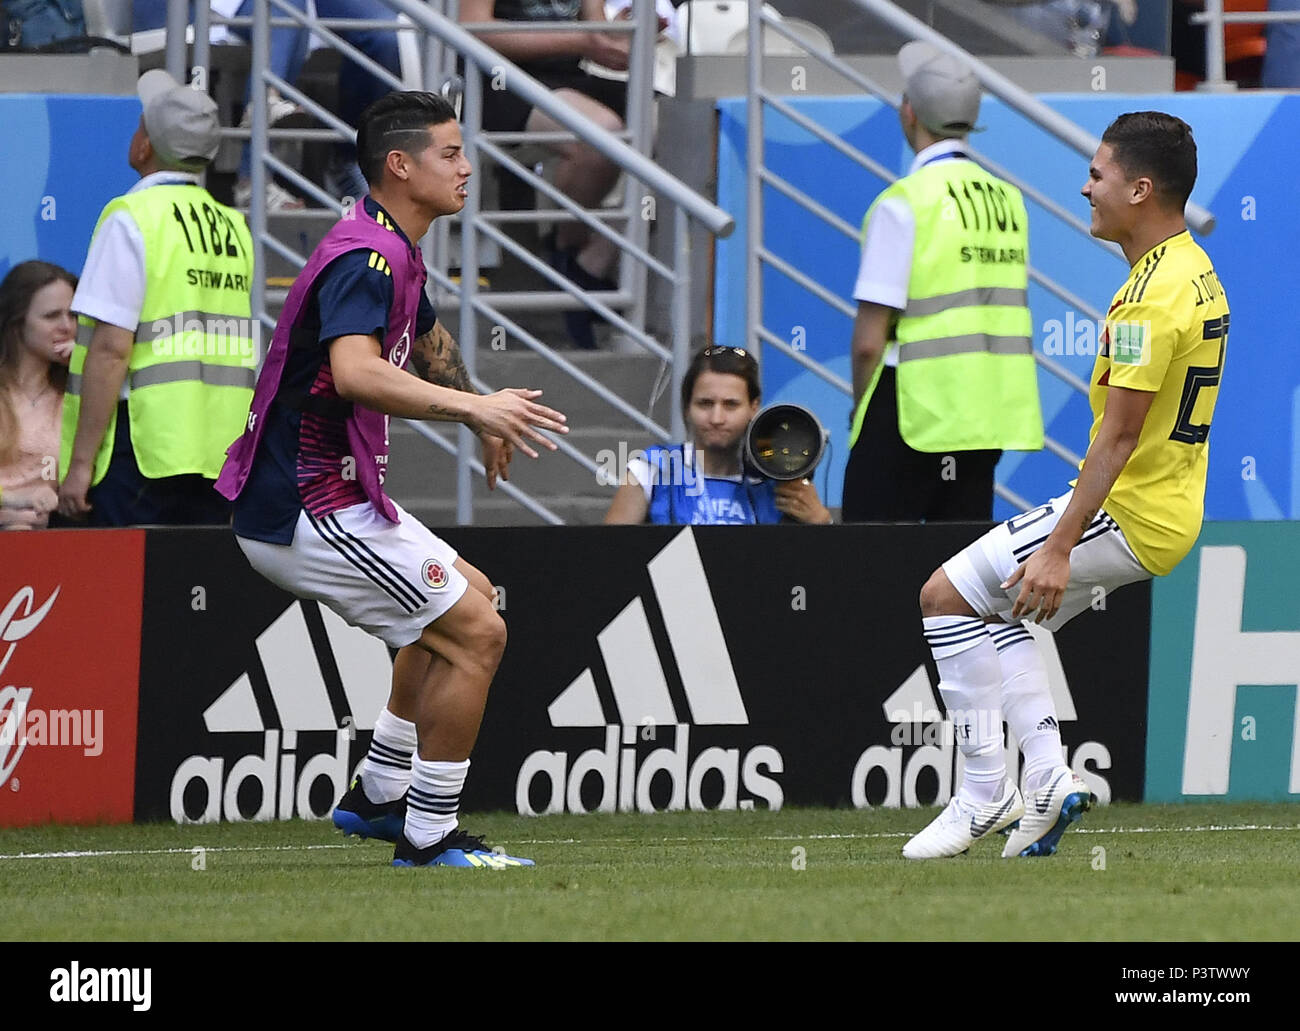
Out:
{"x": 514, "y": 416}
{"x": 496, "y": 459}
{"x": 1043, "y": 578}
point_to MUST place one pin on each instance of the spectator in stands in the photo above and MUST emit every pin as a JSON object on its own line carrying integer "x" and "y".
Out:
{"x": 704, "y": 480}
{"x": 1282, "y": 59}
{"x": 289, "y": 47}
{"x": 942, "y": 294}
{"x": 1081, "y": 26}
{"x": 585, "y": 175}
{"x": 37, "y": 330}
{"x": 163, "y": 385}
{"x": 358, "y": 89}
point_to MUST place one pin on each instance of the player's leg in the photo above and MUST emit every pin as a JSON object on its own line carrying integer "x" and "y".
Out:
{"x": 970, "y": 683}
{"x": 465, "y": 645}
{"x": 375, "y": 805}
{"x": 585, "y": 175}
{"x": 1054, "y": 795}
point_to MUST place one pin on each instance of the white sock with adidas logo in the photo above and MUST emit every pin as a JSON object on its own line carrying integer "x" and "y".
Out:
{"x": 1027, "y": 703}
{"x": 386, "y": 769}
{"x": 971, "y": 684}
{"x": 433, "y": 805}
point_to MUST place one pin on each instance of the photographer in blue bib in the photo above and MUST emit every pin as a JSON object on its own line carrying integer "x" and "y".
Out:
{"x": 704, "y": 480}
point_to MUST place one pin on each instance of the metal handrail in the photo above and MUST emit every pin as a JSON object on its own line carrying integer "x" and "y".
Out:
{"x": 636, "y": 164}
{"x": 620, "y": 148}
{"x": 1214, "y": 18}
{"x": 1012, "y": 95}
{"x": 760, "y": 175}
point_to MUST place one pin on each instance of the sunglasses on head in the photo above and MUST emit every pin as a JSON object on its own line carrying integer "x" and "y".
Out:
{"x": 718, "y": 351}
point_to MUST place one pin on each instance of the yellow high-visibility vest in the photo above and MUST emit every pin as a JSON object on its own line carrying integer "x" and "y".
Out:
{"x": 194, "y": 359}
{"x": 966, "y": 375}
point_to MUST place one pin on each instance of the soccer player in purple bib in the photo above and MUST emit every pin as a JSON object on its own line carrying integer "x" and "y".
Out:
{"x": 306, "y": 479}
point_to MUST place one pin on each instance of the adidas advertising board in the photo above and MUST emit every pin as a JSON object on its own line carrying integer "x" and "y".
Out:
{"x": 648, "y": 668}
{"x": 254, "y": 705}
{"x": 1225, "y": 669}
{"x": 712, "y": 668}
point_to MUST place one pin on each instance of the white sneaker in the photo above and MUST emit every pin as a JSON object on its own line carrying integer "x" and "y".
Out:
{"x": 277, "y": 110}
{"x": 1049, "y": 812}
{"x": 963, "y": 823}
{"x": 277, "y": 197}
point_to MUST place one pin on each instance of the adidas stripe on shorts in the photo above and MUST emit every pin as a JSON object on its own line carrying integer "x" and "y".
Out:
{"x": 1102, "y": 558}
{"x": 391, "y": 580}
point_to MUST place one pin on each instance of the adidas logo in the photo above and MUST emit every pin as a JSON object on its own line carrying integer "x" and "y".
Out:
{"x": 320, "y": 675}
{"x": 1048, "y": 723}
{"x": 628, "y": 777}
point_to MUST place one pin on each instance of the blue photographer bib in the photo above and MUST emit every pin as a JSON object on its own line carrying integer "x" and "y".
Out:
{"x": 679, "y": 495}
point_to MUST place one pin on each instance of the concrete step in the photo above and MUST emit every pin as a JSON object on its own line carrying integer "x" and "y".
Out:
{"x": 633, "y": 377}
{"x": 419, "y": 467}
{"x": 423, "y": 477}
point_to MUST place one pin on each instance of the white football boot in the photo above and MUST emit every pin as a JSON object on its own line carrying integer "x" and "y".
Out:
{"x": 963, "y": 823}
{"x": 1049, "y": 811}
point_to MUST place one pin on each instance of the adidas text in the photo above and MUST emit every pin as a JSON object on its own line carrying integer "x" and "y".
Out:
{"x": 630, "y": 778}
{"x": 285, "y": 790}
{"x": 102, "y": 984}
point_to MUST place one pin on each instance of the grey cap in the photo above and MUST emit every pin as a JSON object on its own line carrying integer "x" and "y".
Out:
{"x": 943, "y": 91}
{"x": 182, "y": 123}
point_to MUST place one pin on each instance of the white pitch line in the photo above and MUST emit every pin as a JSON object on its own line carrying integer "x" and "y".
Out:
{"x": 1203, "y": 829}
{"x": 168, "y": 851}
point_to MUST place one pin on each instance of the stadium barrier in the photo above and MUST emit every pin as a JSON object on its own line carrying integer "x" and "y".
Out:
{"x": 1225, "y": 669}
{"x": 648, "y": 668}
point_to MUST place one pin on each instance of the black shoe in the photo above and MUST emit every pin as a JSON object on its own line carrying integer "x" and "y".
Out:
{"x": 580, "y": 322}
{"x": 456, "y": 849}
{"x": 356, "y": 814}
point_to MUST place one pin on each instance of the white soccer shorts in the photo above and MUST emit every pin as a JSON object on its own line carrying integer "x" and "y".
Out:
{"x": 1099, "y": 563}
{"x": 391, "y": 580}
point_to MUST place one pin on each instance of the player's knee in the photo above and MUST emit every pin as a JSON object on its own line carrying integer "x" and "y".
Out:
{"x": 487, "y": 641}
{"x": 937, "y": 594}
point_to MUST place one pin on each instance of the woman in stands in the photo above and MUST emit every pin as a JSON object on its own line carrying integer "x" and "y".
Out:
{"x": 704, "y": 481}
{"x": 37, "y": 330}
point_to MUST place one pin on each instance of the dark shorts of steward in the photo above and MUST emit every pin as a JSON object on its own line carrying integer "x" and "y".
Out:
{"x": 887, "y": 481}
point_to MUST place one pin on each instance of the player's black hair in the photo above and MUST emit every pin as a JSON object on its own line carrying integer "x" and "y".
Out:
{"x": 397, "y": 121}
{"x": 1159, "y": 146}
{"x": 733, "y": 361}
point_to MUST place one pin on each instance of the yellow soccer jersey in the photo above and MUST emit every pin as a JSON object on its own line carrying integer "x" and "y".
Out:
{"x": 1166, "y": 332}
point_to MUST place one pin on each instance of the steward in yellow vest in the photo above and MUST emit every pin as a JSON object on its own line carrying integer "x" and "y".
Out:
{"x": 942, "y": 299}
{"x": 161, "y": 377}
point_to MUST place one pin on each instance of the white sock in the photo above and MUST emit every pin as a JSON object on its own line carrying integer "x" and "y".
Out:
{"x": 433, "y": 805}
{"x": 386, "y": 769}
{"x": 970, "y": 683}
{"x": 1027, "y": 703}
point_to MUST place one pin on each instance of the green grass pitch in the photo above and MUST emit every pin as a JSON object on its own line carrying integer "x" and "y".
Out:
{"x": 1131, "y": 873}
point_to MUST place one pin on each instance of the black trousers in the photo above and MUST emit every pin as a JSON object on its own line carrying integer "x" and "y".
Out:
{"x": 125, "y": 497}
{"x": 887, "y": 481}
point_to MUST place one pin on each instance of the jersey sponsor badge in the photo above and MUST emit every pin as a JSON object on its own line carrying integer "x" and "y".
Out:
{"x": 435, "y": 574}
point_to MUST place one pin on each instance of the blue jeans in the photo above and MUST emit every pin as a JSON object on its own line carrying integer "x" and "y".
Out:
{"x": 357, "y": 87}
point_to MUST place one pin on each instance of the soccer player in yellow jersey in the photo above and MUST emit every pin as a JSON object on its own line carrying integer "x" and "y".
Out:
{"x": 1133, "y": 513}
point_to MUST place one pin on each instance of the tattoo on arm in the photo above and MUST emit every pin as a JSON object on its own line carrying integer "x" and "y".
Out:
{"x": 436, "y": 358}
